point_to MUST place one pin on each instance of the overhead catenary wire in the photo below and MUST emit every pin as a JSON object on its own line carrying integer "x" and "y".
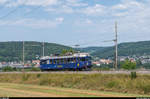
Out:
{"x": 11, "y": 12}
{"x": 14, "y": 10}
{"x": 84, "y": 44}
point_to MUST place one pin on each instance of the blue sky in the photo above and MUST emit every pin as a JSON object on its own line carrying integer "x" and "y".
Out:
{"x": 69, "y": 22}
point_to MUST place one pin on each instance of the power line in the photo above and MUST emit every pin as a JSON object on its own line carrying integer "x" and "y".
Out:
{"x": 82, "y": 44}
{"x": 9, "y": 13}
{"x": 33, "y": 10}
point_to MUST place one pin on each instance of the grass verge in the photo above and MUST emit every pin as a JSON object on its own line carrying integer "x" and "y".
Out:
{"x": 100, "y": 82}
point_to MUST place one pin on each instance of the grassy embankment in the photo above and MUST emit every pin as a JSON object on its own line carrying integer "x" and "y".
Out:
{"x": 100, "y": 82}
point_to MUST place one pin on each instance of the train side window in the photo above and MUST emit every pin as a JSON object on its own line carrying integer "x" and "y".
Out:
{"x": 68, "y": 60}
{"x": 62, "y": 61}
{"x": 71, "y": 60}
{"x": 86, "y": 59}
{"x": 51, "y": 61}
{"x": 54, "y": 61}
{"x": 65, "y": 60}
{"x": 82, "y": 59}
{"x": 78, "y": 59}
{"x": 57, "y": 61}
{"x": 74, "y": 60}
{"x": 47, "y": 61}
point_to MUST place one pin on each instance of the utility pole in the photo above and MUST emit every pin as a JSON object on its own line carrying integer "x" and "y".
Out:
{"x": 23, "y": 56}
{"x": 43, "y": 49}
{"x": 77, "y": 46}
{"x": 116, "y": 47}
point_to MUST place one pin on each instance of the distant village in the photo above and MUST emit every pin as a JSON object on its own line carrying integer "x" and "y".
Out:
{"x": 28, "y": 64}
{"x": 143, "y": 59}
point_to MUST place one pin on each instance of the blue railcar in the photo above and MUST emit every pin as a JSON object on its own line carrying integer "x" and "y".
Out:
{"x": 79, "y": 61}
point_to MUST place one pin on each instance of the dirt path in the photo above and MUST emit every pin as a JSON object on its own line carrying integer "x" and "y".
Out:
{"x": 25, "y": 93}
{"x": 21, "y": 90}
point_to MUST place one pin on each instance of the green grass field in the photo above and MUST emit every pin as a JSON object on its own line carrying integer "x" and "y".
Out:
{"x": 25, "y": 90}
{"x": 121, "y": 83}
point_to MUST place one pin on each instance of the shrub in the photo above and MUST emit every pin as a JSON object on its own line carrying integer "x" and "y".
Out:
{"x": 35, "y": 69}
{"x": 133, "y": 75}
{"x": 7, "y": 69}
{"x": 145, "y": 88}
{"x": 38, "y": 75}
{"x": 25, "y": 77}
{"x": 112, "y": 84}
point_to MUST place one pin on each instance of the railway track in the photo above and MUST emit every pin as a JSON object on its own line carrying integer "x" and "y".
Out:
{"x": 84, "y": 72}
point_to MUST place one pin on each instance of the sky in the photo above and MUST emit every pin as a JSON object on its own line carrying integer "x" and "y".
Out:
{"x": 70, "y": 22}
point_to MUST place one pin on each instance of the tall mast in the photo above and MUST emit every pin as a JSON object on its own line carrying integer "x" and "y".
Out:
{"x": 43, "y": 49}
{"x": 23, "y": 56}
{"x": 116, "y": 47}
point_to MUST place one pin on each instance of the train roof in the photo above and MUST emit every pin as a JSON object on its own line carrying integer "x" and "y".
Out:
{"x": 68, "y": 56}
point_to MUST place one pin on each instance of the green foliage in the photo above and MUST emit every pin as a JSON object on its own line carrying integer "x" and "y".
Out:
{"x": 38, "y": 75}
{"x": 12, "y": 51}
{"x": 133, "y": 75}
{"x": 128, "y": 65}
{"x": 7, "y": 69}
{"x": 146, "y": 88}
{"x": 25, "y": 77}
{"x": 65, "y": 51}
{"x": 112, "y": 84}
{"x": 35, "y": 69}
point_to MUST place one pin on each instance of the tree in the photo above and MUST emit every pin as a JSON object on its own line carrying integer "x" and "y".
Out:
{"x": 7, "y": 69}
{"x": 128, "y": 65}
{"x": 65, "y": 51}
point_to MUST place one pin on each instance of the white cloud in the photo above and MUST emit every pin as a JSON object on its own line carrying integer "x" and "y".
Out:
{"x": 3, "y": 1}
{"x": 75, "y": 3}
{"x": 88, "y": 21}
{"x": 32, "y": 3}
{"x": 34, "y": 23}
{"x": 60, "y": 19}
{"x": 94, "y": 10}
{"x": 62, "y": 9}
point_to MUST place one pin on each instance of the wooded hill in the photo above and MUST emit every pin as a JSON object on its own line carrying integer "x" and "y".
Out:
{"x": 124, "y": 49}
{"x": 12, "y": 51}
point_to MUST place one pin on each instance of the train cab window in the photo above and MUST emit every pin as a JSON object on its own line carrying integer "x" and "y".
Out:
{"x": 43, "y": 62}
{"x": 47, "y": 62}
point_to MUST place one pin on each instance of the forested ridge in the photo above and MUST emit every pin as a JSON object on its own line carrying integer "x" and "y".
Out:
{"x": 12, "y": 50}
{"x": 124, "y": 49}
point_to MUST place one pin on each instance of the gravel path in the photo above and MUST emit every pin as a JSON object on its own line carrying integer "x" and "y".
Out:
{"x": 85, "y": 72}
